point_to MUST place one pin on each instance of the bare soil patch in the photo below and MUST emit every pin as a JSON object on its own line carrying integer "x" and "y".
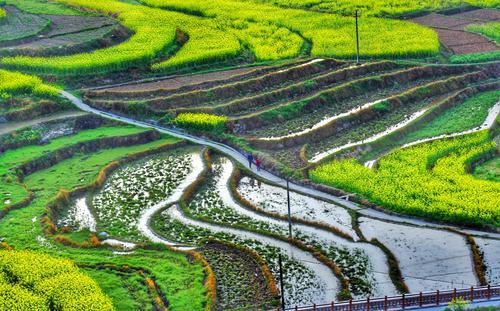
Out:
{"x": 182, "y": 81}
{"x": 64, "y": 44}
{"x": 463, "y": 42}
{"x": 452, "y": 33}
{"x": 486, "y": 15}
{"x": 66, "y": 35}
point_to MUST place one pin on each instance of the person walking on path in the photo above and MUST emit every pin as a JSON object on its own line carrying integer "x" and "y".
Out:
{"x": 250, "y": 160}
{"x": 257, "y": 163}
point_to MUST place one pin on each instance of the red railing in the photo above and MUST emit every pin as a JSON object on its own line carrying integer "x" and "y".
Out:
{"x": 408, "y": 301}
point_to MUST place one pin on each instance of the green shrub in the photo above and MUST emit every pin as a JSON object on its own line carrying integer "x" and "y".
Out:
{"x": 475, "y": 58}
{"x": 201, "y": 122}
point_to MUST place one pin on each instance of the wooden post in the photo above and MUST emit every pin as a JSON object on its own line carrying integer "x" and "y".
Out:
{"x": 488, "y": 293}
{"x": 454, "y": 293}
{"x": 437, "y": 297}
{"x": 357, "y": 39}
{"x": 420, "y": 299}
{"x": 403, "y": 301}
{"x": 296, "y": 308}
{"x": 289, "y": 209}
{"x": 281, "y": 283}
{"x": 385, "y": 303}
{"x": 472, "y": 293}
{"x": 367, "y": 303}
{"x": 333, "y": 306}
{"x": 350, "y": 304}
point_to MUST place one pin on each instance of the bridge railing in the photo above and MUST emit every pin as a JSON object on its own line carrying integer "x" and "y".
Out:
{"x": 409, "y": 301}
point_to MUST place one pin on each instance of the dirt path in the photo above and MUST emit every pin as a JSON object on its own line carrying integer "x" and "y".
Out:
{"x": 14, "y": 126}
{"x": 181, "y": 81}
{"x": 452, "y": 33}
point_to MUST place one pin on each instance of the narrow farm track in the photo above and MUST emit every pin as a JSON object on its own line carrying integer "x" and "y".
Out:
{"x": 14, "y": 126}
{"x": 270, "y": 177}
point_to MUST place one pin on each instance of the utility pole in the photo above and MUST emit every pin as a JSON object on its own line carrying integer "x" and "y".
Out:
{"x": 282, "y": 289}
{"x": 357, "y": 39}
{"x": 289, "y": 209}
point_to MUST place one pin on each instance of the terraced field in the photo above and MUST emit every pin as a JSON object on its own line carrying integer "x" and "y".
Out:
{"x": 231, "y": 155}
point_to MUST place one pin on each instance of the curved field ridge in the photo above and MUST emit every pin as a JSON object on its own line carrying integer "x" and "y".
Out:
{"x": 428, "y": 180}
{"x": 34, "y": 281}
{"x": 143, "y": 223}
{"x": 330, "y": 34}
{"x": 325, "y": 275}
{"x": 388, "y": 131}
{"x": 488, "y": 123}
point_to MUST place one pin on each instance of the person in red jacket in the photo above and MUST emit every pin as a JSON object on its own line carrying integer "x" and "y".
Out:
{"x": 257, "y": 163}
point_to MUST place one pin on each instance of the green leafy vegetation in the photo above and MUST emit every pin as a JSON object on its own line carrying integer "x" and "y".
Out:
{"x": 15, "y": 83}
{"x": 330, "y": 34}
{"x": 278, "y": 34}
{"x": 378, "y": 7}
{"x": 427, "y": 180}
{"x": 462, "y": 117}
{"x": 30, "y": 280}
{"x": 11, "y": 191}
{"x": 489, "y": 170}
{"x": 475, "y": 58}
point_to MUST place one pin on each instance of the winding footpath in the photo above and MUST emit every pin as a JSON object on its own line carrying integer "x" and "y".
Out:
{"x": 270, "y": 177}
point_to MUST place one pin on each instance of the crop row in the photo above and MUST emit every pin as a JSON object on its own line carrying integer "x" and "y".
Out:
{"x": 337, "y": 96}
{"x": 429, "y": 180}
{"x": 404, "y": 104}
{"x": 246, "y": 87}
{"x": 276, "y": 34}
{"x": 330, "y": 34}
{"x": 293, "y": 92}
{"x": 150, "y": 89}
{"x": 379, "y": 8}
{"x": 458, "y": 112}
